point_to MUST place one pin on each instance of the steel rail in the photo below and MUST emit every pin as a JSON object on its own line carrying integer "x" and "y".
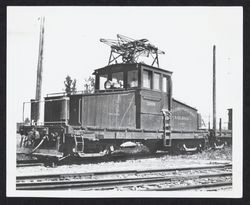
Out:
{"x": 58, "y": 185}
{"x": 190, "y": 187}
{"x": 49, "y": 176}
{"x": 29, "y": 164}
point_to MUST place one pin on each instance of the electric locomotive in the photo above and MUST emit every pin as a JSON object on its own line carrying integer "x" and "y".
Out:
{"x": 131, "y": 102}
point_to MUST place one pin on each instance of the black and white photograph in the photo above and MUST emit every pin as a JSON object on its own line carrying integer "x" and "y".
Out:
{"x": 124, "y": 101}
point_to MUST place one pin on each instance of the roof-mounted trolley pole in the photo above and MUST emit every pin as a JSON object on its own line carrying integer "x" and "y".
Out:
{"x": 129, "y": 50}
{"x": 214, "y": 90}
{"x": 35, "y": 104}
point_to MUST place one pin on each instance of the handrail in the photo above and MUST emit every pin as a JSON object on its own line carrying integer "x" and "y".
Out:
{"x": 96, "y": 91}
{"x": 62, "y": 93}
{"x": 79, "y": 111}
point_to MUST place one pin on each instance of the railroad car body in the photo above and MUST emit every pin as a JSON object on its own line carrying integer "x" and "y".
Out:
{"x": 131, "y": 102}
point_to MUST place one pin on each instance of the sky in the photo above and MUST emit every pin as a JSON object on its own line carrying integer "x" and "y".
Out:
{"x": 72, "y": 47}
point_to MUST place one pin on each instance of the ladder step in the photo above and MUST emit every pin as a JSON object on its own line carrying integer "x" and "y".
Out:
{"x": 79, "y": 141}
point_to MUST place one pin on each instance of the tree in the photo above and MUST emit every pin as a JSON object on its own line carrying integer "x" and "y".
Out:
{"x": 89, "y": 84}
{"x": 70, "y": 85}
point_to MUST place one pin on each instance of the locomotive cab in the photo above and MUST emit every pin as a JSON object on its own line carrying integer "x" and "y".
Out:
{"x": 132, "y": 76}
{"x": 152, "y": 88}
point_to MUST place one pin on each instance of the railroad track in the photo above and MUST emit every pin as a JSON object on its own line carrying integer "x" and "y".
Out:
{"x": 86, "y": 160}
{"x": 154, "y": 179}
{"x": 29, "y": 164}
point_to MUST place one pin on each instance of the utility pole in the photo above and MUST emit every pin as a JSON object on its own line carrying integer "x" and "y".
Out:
{"x": 220, "y": 126}
{"x": 214, "y": 90}
{"x": 230, "y": 118}
{"x": 209, "y": 122}
{"x": 35, "y": 104}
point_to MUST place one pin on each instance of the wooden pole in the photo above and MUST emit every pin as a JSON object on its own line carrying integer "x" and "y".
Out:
{"x": 214, "y": 90}
{"x": 209, "y": 127}
{"x": 40, "y": 68}
{"x": 220, "y": 126}
{"x": 230, "y": 116}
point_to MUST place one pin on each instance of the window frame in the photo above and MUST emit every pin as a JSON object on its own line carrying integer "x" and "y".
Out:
{"x": 159, "y": 85}
{"x": 100, "y": 82}
{"x": 137, "y": 79}
{"x": 151, "y": 79}
{"x": 167, "y": 84}
{"x": 123, "y": 85}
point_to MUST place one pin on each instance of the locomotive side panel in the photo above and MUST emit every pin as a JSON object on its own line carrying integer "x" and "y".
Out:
{"x": 56, "y": 109}
{"x": 116, "y": 110}
{"x": 74, "y": 110}
{"x": 152, "y": 103}
{"x": 184, "y": 117}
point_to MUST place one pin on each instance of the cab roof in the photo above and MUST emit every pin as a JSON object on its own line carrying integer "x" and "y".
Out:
{"x": 129, "y": 66}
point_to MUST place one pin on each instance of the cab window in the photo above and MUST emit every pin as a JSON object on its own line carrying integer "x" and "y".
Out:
{"x": 132, "y": 79}
{"x": 117, "y": 80}
{"x": 103, "y": 79}
{"x": 164, "y": 84}
{"x": 147, "y": 79}
{"x": 157, "y": 81}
